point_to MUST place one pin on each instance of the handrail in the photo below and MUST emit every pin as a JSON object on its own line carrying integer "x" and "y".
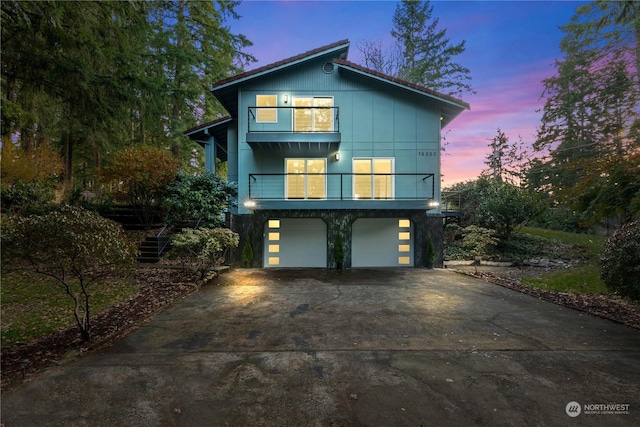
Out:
{"x": 338, "y": 191}
{"x": 286, "y": 124}
{"x": 163, "y": 241}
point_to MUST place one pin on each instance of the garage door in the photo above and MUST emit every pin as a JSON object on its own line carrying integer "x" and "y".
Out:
{"x": 382, "y": 242}
{"x": 295, "y": 243}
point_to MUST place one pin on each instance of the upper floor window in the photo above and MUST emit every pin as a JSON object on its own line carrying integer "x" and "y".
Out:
{"x": 306, "y": 178}
{"x": 373, "y": 178}
{"x": 313, "y": 119}
{"x": 266, "y": 115}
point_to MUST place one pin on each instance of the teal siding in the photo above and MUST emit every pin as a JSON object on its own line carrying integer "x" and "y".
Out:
{"x": 374, "y": 122}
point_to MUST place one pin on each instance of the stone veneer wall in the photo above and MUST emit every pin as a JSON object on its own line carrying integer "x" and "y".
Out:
{"x": 338, "y": 222}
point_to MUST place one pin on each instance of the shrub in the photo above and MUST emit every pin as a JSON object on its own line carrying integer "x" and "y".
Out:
{"x": 204, "y": 247}
{"x": 26, "y": 197}
{"x": 204, "y": 196}
{"x": 505, "y": 207}
{"x": 621, "y": 261}
{"x": 247, "y": 252}
{"x": 338, "y": 250}
{"x": 430, "y": 253}
{"x": 477, "y": 240}
{"x": 74, "y": 246}
{"x": 145, "y": 172}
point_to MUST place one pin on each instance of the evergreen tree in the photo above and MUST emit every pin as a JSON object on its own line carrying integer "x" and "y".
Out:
{"x": 93, "y": 77}
{"x": 590, "y": 119}
{"x": 428, "y": 56}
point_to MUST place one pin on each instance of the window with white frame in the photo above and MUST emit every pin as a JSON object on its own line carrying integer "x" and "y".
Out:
{"x": 306, "y": 178}
{"x": 373, "y": 178}
{"x": 313, "y": 119}
{"x": 266, "y": 115}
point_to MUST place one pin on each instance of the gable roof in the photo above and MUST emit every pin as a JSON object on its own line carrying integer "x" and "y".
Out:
{"x": 225, "y": 90}
{"x": 341, "y": 48}
{"x": 451, "y": 106}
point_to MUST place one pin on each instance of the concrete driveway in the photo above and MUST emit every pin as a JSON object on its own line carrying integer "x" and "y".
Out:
{"x": 387, "y": 347}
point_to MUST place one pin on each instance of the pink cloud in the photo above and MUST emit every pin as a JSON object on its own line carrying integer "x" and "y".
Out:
{"x": 510, "y": 104}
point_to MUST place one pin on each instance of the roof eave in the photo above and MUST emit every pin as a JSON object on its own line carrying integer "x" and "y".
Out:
{"x": 286, "y": 63}
{"x": 385, "y": 79}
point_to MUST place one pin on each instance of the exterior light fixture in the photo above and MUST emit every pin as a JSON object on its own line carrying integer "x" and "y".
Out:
{"x": 337, "y": 156}
{"x": 286, "y": 99}
{"x": 250, "y": 204}
{"x": 433, "y": 204}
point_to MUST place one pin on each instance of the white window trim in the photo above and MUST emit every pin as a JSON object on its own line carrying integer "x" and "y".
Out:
{"x": 306, "y": 191}
{"x": 393, "y": 178}
{"x": 266, "y": 109}
{"x": 313, "y": 123}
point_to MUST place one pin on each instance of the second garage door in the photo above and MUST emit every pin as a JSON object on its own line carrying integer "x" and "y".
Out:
{"x": 382, "y": 242}
{"x": 295, "y": 242}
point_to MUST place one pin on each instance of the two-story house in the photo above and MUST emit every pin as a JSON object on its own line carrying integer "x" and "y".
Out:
{"x": 322, "y": 147}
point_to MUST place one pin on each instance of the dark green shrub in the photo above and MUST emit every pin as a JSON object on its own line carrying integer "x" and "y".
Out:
{"x": 26, "y": 197}
{"x": 620, "y": 261}
{"x": 430, "y": 252}
{"x": 338, "y": 250}
{"x": 247, "y": 252}
{"x": 204, "y": 196}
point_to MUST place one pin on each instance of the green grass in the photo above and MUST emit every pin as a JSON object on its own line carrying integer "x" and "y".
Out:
{"x": 582, "y": 278}
{"x": 34, "y": 306}
{"x": 592, "y": 244}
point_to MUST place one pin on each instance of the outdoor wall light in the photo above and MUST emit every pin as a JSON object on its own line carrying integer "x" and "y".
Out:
{"x": 250, "y": 204}
{"x": 337, "y": 156}
{"x": 286, "y": 99}
{"x": 432, "y": 204}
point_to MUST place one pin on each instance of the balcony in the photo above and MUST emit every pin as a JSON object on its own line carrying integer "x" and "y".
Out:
{"x": 291, "y": 128}
{"x": 341, "y": 191}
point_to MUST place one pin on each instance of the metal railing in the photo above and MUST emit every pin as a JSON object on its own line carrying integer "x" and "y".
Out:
{"x": 293, "y": 119}
{"x": 164, "y": 236}
{"x": 341, "y": 186}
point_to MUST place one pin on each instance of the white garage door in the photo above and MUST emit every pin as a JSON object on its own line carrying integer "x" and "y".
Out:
{"x": 299, "y": 242}
{"x": 382, "y": 242}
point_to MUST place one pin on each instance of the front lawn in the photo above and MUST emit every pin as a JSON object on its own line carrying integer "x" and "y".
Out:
{"x": 584, "y": 277}
{"x": 34, "y": 306}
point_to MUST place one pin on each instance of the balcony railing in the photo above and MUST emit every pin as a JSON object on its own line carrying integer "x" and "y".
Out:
{"x": 293, "y": 119}
{"x": 341, "y": 187}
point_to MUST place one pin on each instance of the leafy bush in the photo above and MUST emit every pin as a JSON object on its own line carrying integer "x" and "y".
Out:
{"x": 621, "y": 261}
{"x": 203, "y": 196}
{"x": 146, "y": 172}
{"x": 247, "y": 252}
{"x": 477, "y": 240}
{"x": 204, "y": 247}
{"x": 338, "y": 250}
{"x": 74, "y": 246}
{"x": 505, "y": 207}
{"x": 430, "y": 251}
{"x": 26, "y": 197}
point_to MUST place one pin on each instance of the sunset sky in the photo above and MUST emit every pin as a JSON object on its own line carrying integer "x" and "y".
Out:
{"x": 510, "y": 47}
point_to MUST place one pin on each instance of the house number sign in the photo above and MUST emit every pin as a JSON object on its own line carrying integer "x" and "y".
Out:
{"x": 427, "y": 153}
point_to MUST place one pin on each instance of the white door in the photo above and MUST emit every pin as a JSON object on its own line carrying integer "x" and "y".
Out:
{"x": 382, "y": 242}
{"x": 295, "y": 242}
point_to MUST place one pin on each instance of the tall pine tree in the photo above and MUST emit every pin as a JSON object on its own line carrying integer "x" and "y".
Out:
{"x": 428, "y": 56}
{"x": 590, "y": 118}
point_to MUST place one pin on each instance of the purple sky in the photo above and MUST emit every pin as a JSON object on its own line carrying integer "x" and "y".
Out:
{"x": 510, "y": 47}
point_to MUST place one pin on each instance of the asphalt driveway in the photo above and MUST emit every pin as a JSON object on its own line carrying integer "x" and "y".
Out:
{"x": 364, "y": 347}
